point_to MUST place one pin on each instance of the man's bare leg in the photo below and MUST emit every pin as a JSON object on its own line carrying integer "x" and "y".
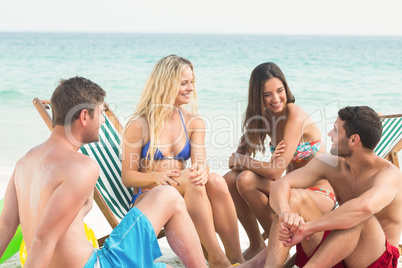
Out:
{"x": 359, "y": 246}
{"x": 258, "y": 261}
{"x": 164, "y": 206}
{"x": 300, "y": 202}
{"x": 304, "y": 203}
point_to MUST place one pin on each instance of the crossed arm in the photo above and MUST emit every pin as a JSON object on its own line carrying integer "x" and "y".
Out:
{"x": 348, "y": 215}
{"x": 274, "y": 169}
{"x": 299, "y": 178}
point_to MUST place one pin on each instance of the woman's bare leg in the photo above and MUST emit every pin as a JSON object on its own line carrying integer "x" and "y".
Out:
{"x": 199, "y": 208}
{"x": 164, "y": 206}
{"x": 245, "y": 216}
{"x": 225, "y": 218}
{"x": 255, "y": 189}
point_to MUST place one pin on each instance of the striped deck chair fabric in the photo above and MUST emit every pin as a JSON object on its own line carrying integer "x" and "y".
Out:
{"x": 109, "y": 185}
{"x": 391, "y": 139}
{"x": 111, "y": 196}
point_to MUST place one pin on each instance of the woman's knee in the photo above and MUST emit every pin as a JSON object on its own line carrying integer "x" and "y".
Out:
{"x": 192, "y": 189}
{"x": 217, "y": 184}
{"x": 230, "y": 178}
{"x": 246, "y": 181}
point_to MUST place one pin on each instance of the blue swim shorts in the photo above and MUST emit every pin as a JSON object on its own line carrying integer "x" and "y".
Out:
{"x": 132, "y": 243}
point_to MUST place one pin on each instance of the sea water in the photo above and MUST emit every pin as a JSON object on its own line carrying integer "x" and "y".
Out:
{"x": 325, "y": 73}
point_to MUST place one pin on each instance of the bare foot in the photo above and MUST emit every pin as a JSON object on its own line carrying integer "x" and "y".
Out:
{"x": 238, "y": 258}
{"x": 252, "y": 251}
{"x": 219, "y": 263}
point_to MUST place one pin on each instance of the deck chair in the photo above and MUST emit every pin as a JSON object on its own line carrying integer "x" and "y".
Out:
{"x": 391, "y": 139}
{"x": 111, "y": 196}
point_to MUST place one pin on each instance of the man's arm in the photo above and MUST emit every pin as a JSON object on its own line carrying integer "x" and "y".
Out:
{"x": 303, "y": 177}
{"x": 9, "y": 218}
{"x": 359, "y": 209}
{"x": 355, "y": 210}
{"x": 61, "y": 209}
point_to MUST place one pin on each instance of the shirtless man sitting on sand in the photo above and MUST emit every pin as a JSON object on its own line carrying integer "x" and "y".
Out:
{"x": 368, "y": 189}
{"x": 51, "y": 191}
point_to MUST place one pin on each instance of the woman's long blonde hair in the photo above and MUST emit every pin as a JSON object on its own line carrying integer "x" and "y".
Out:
{"x": 157, "y": 99}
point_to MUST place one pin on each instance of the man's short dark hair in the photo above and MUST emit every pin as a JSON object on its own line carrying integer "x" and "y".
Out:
{"x": 75, "y": 93}
{"x": 364, "y": 121}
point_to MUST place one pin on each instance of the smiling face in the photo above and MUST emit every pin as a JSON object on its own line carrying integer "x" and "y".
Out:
{"x": 339, "y": 140}
{"x": 274, "y": 95}
{"x": 185, "y": 88}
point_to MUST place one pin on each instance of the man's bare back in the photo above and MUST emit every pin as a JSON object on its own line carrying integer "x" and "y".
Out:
{"x": 41, "y": 178}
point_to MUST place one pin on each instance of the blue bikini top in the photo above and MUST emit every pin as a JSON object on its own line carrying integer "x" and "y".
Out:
{"x": 184, "y": 155}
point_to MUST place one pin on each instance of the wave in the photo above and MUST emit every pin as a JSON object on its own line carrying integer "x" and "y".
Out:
{"x": 10, "y": 94}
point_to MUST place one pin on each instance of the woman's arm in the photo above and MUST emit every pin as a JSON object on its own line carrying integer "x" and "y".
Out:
{"x": 132, "y": 145}
{"x": 279, "y": 149}
{"x": 198, "y": 154}
{"x": 292, "y": 134}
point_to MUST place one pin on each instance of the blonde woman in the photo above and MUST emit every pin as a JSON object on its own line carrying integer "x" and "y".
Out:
{"x": 159, "y": 138}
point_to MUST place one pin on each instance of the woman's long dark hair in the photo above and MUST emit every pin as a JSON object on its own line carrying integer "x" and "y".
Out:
{"x": 255, "y": 122}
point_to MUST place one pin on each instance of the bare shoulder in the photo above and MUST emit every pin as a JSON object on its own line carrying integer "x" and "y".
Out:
{"x": 137, "y": 122}
{"x": 187, "y": 114}
{"x": 136, "y": 129}
{"x": 297, "y": 118}
{"x": 193, "y": 121}
{"x": 386, "y": 170}
{"x": 296, "y": 112}
{"x": 79, "y": 168}
{"x": 82, "y": 160}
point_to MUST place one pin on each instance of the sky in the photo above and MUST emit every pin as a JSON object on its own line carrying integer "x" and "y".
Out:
{"x": 310, "y": 17}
